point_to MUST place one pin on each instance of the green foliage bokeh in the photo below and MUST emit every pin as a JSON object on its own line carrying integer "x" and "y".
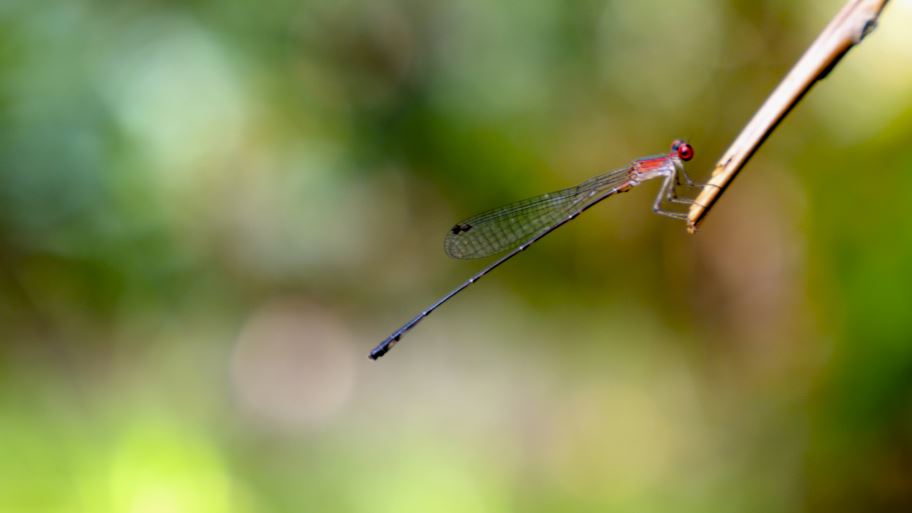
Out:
{"x": 211, "y": 211}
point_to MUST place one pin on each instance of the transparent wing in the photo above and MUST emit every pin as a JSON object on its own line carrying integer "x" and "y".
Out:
{"x": 506, "y": 227}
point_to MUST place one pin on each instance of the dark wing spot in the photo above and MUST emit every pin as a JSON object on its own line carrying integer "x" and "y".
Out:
{"x": 460, "y": 228}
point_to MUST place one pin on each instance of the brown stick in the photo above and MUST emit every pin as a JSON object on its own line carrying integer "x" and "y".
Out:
{"x": 856, "y": 20}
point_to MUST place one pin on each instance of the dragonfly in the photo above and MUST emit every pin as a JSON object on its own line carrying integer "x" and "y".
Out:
{"x": 518, "y": 225}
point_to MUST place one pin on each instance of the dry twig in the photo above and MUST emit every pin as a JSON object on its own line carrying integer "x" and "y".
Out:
{"x": 856, "y": 20}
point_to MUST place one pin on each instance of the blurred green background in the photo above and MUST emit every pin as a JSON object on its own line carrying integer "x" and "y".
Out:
{"x": 211, "y": 211}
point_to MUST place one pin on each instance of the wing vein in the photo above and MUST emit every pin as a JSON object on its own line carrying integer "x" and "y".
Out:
{"x": 505, "y": 227}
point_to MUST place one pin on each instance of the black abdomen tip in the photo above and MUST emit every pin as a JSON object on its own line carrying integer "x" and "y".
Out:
{"x": 385, "y": 346}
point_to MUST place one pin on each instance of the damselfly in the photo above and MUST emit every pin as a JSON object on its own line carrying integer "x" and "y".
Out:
{"x": 519, "y": 225}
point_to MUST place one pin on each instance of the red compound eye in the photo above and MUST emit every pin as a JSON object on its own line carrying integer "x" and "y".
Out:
{"x": 685, "y": 151}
